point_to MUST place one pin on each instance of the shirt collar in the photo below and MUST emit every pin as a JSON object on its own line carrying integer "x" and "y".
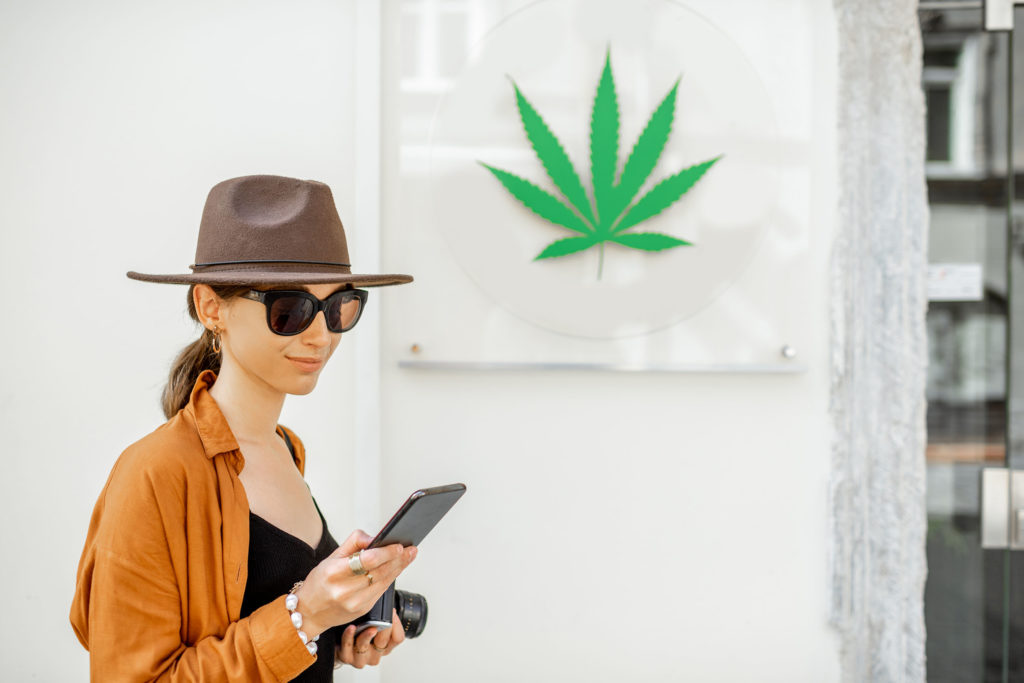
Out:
{"x": 213, "y": 428}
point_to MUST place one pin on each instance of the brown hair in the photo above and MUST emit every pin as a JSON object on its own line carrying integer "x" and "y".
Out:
{"x": 194, "y": 358}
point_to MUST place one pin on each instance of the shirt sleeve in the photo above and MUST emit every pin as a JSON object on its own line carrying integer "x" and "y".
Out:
{"x": 135, "y": 635}
{"x": 129, "y": 609}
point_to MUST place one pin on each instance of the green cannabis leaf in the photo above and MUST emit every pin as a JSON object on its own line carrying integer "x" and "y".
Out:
{"x": 613, "y": 210}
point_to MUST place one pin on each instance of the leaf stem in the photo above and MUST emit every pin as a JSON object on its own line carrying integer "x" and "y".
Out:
{"x": 600, "y": 260}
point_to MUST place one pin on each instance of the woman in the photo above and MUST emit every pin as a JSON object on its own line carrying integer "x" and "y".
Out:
{"x": 207, "y": 558}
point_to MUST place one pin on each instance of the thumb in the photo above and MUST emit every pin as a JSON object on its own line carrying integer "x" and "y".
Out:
{"x": 357, "y": 540}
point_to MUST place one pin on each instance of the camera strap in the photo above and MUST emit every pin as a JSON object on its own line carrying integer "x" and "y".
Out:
{"x": 288, "y": 440}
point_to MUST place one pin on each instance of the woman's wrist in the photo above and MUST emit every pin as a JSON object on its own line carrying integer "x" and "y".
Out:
{"x": 310, "y": 624}
{"x": 306, "y": 628}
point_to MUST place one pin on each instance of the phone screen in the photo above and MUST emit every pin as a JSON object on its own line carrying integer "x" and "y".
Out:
{"x": 418, "y": 515}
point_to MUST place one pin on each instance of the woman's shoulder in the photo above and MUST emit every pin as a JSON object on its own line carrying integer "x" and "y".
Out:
{"x": 149, "y": 486}
{"x": 170, "y": 454}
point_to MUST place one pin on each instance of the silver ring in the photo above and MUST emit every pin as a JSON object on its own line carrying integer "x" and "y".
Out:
{"x": 355, "y": 563}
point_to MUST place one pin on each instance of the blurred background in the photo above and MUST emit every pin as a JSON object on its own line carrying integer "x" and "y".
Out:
{"x": 654, "y": 487}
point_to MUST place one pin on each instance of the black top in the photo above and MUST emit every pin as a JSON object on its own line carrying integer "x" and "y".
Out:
{"x": 276, "y": 561}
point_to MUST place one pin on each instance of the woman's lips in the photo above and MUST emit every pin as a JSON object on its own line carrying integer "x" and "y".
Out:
{"x": 307, "y": 364}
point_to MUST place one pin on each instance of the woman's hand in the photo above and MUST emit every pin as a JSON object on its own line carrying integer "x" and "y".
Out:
{"x": 369, "y": 646}
{"x": 332, "y": 594}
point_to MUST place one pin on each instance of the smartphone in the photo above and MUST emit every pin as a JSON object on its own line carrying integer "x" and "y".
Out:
{"x": 410, "y": 525}
{"x": 418, "y": 515}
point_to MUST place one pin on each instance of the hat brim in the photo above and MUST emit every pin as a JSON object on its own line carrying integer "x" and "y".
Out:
{"x": 265, "y": 278}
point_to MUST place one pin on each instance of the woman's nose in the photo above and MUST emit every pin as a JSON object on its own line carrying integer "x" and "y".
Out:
{"x": 317, "y": 332}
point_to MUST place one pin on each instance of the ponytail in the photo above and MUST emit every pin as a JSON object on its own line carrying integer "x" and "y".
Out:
{"x": 194, "y": 358}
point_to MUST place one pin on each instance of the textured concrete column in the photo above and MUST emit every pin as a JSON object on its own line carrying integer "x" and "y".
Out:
{"x": 879, "y": 262}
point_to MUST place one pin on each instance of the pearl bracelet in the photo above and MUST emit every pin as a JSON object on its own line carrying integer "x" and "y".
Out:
{"x": 292, "y": 603}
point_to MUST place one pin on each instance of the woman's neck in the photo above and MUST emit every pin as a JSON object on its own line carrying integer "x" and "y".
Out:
{"x": 251, "y": 406}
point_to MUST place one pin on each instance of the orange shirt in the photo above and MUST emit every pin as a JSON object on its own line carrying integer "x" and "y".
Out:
{"x": 163, "y": 572}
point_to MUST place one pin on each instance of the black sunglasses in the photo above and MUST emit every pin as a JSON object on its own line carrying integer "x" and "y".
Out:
{"x": 289, "y": 311}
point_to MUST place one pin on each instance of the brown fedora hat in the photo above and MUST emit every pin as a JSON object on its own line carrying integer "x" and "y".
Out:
{"x": 268, "y": 229}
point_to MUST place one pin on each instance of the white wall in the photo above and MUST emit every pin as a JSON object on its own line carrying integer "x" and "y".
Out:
{"x": 117, "y": 119}
{"x": 617, "y": 526}
{"x": 664, "y": 527}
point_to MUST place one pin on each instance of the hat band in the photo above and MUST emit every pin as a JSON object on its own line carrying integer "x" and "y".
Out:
{"x": 233, "y": 263}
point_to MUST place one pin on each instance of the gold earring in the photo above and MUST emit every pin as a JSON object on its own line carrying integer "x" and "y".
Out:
{"x": 215, "y": 342}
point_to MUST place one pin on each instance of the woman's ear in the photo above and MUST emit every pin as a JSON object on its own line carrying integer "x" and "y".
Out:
{"x": 209, "y": 306}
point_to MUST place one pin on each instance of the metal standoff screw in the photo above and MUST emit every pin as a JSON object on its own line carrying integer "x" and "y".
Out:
{"x": 788, "y": 352}
{"x": 415, "y": 348}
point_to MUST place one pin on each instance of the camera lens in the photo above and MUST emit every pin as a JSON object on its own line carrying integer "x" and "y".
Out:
{"x": 412, "y": 612}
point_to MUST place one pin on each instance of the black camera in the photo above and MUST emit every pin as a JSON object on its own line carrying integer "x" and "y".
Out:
{"x": 411, "y": 608}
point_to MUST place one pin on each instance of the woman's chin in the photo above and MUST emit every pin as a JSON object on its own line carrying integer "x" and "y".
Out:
{"x": 304, "y": 384}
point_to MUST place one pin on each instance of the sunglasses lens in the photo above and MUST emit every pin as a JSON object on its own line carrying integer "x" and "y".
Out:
{"x": 290, "y": 314}
{"x": 343, "y": 312}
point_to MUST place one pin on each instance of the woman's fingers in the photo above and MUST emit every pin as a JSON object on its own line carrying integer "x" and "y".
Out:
{"x": 364, "y": 651}
{"x": 357, "y": 540}
{"x": 362, "y": 641}
{"x": 376, "y": 557}
{"x": 364, "y": 645}
{"x": 388, "y": 639}
{"x": 356, "y": 650}
{"x": 397, "y": 630}
{"x": 380, "y": 576}
{"x": 371, "y": 644}
{"x": 347, "y": 641}
{"x": 384, "y": 574}
{"x": 381, "y": 643}
{"x": 336, "y": 594}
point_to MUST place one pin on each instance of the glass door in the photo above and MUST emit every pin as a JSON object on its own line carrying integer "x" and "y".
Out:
{"x": 973, "y": 595}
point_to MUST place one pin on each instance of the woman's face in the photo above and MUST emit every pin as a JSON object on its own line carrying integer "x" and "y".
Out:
{"x": 276, "y": 360}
